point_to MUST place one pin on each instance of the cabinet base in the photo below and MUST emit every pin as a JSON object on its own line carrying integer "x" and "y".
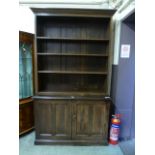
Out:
{"x": 69, "y": 142}
{"x": 26, "y": 131}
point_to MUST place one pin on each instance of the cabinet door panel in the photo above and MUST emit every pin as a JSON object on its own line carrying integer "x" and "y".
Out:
{"x": 90, "y": 120}
{"x": 26, "y": 121}
{"x": 52, "y": 119}
{"x": 63, "y": 119}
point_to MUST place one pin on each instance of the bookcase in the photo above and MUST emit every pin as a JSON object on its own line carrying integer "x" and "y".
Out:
{"x": 72, "y": 75}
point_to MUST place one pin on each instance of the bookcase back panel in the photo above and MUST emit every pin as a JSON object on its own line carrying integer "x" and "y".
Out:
{"x": 73, "y": 53}
{"x": 81, "y": 83}
{"x": 47, "y": 46}
{"x": 69, "y": 27}
{"x": 72, "y": 63}
{"x": 75, "y": 47}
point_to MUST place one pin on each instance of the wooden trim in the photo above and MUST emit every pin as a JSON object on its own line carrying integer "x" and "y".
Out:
{"x": 72, "y": 39}
{"x": 106, "y": 99}
{"x": 71, "y": 93}
{"x": 29, "y": 38}
{"x": 27, "y": 100}
{"x": 35, "y": 59}
{"x": 26, "y": 131}
{"x": 73, "y": 72}
{"x": 26, "y": 37}
{"x": 70, "y": 142}
{"x": 73, "y": 12}
{"x": 72, "y": 54}
{"x": 110, "y": 57}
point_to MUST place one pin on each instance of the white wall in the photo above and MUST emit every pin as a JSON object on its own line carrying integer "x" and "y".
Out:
{"x": 121, "y": 13}
{"x": 26, "y": 19}
{"x": 26, "y": 16}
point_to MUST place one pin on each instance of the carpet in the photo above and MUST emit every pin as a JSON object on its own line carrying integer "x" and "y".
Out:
{"x": 27, "y": 147}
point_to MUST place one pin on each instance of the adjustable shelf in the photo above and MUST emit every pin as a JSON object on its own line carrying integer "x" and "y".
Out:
{"x": 72, "y": 39}
{"x": 74, "y": 94}
{"x": 74, "y": 47}
{"x": 72, "y": 72}
{"x": 72, "y": 54}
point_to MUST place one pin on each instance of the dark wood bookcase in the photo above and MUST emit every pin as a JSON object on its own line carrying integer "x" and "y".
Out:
{"x": 72, "y": 75}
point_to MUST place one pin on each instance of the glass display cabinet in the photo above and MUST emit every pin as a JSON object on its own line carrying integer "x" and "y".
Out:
{"x": 26, "y": 51}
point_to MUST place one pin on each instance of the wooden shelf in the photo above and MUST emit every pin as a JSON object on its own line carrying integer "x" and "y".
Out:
{"x": 72, "y": 39}
{"x": 72, "y": 54}
{"x": 73, "y": 93}
{"x": 72, "y": 72}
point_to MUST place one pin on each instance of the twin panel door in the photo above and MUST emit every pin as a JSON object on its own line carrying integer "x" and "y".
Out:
{"x": 71, "y": 120}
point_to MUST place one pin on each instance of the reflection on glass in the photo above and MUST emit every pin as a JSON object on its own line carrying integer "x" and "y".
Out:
{"x": 25, "y": 70}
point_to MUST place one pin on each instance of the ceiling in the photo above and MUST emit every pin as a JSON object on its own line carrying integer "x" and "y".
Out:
{"x": 106, "y": 4}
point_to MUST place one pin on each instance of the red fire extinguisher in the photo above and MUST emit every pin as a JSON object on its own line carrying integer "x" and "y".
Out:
{"x": 115, "y": 129}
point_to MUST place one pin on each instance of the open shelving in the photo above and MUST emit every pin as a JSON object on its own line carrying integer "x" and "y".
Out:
{"x": 72, "y": 55}
{"x": 72, "y": 76}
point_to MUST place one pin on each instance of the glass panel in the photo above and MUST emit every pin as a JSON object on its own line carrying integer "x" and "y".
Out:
{"x": 25, "y": 70}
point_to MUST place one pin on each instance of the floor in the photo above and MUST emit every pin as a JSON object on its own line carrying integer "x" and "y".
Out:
{"x": 27, "y": 147}
{"x": 128, "y": 147}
